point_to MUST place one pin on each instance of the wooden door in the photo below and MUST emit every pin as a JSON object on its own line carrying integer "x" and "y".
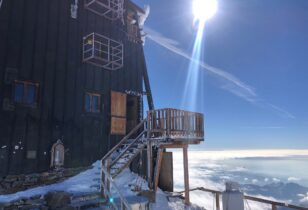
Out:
{"x": 118, "y": 113}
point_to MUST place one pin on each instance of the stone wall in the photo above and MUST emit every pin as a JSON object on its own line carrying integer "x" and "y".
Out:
{"x": 15, "y": 183}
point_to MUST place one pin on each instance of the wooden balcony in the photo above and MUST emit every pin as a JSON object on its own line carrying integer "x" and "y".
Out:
{"x": 176, "y": 125}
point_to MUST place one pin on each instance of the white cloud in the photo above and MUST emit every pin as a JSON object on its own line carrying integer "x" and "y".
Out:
{"x": 293, "y": 179}
{"x": 304, "y": 200}
{"x": 275, "y": 179}
{"x": 231, "y": 83}
{"x": 255, "y": 181}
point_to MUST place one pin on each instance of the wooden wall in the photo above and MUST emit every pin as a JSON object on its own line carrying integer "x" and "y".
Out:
{"x": 41, "y": 40}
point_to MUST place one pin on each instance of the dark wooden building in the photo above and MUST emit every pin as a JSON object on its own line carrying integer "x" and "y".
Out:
{"x": 70, "y": 70}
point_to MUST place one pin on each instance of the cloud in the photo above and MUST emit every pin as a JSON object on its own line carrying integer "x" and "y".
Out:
{"x": 293, "y": 179}
{"x": 262, "y": 127}
{"x": 255, "y": 181}
{"x": 230, "y": 82}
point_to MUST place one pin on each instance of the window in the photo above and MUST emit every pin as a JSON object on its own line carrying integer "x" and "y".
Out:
{"x": 26, "y": 93}
{"x": 92, "y": 102}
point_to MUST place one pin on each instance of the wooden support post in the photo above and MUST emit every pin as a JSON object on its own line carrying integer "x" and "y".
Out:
{"x": 105, "y": 186}
{"x": 274, "y": 207}
{"x": 157, "y": 168}
{"x": 186, "y": 175}
{"x": 217, "y": 201}
{"x": 149, "y": 164}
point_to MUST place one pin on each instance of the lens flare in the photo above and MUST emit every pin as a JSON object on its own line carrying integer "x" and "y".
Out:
{"x": 192, "y": 81}
{"x": 204, "y": 9}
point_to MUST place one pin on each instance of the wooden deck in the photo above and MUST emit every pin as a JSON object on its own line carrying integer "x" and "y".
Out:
{"x": 177, "y": 125}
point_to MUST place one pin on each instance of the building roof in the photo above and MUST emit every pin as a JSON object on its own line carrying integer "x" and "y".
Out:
{"x": 135, "y": 6}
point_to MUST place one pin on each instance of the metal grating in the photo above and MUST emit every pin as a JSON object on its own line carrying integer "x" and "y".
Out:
{"x": 102, "y": 51}
{"x": 110, "y": 9}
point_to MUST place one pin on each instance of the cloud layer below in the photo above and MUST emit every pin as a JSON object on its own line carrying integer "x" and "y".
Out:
{"x": 261, "y": 173}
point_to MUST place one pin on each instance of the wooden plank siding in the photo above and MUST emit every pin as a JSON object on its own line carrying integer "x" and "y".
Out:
{"x": 41, "y": 40}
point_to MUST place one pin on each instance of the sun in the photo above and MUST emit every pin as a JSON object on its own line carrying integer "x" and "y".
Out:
{"x": 204, "y": 9}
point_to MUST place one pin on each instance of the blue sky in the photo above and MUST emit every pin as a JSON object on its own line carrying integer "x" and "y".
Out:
{"x": 252, "y": 80}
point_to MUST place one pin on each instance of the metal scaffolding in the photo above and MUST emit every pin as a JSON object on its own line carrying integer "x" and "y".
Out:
{"x": 102, "y": 51}
{"x": 110, "y": 9}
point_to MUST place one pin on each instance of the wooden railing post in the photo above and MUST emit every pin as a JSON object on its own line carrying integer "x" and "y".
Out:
{"x": 186, "y": 175}
{"x": 149, "y": 149}
{"x": 217, "y": 201}
{"x": 168, "y": 122}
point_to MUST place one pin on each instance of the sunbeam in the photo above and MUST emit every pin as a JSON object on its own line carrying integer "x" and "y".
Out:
{"x": 192, "y": 83}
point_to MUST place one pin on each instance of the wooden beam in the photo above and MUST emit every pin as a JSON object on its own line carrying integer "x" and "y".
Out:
{"x": 186, "y": 175}
{"x": 160, "y": 154}
{"x": 174, "y": 146}
{"x": 217, "y": 201}
{"x": 149, "y": 164}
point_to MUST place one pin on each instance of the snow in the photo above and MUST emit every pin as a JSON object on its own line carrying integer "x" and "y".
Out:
{"x": 80, "y": 183}
{"x": 88, "y": 181}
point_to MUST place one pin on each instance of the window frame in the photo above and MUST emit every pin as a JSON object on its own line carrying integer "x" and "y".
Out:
{"x": 25, "y": 90}
{"x": 92, "y": 95}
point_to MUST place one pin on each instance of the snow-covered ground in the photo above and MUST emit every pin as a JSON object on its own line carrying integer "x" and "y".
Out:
{"x": 83, "y": 182}
{"x": 88, "y": 181}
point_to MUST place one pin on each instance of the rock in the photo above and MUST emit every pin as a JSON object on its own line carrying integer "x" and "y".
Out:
{"x": 43, "y": 176}
{"x": 6, "y": 185}
{"x": 31, "y": 178}
{"x": 17, "y": 184}
{"x": 67, "y": 208}
{"x": 68, "y": 173}
{"x": 148, "y": 194}
{"x": 11, "y": 178}
{"x": 56, "y": 200}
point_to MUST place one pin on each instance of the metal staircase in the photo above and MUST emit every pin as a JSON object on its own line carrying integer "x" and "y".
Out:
{"x": 118, "y": 158}
{"x": 163, "y": 128}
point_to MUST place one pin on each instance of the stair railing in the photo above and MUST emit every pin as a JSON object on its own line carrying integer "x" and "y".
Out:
{"x": 142, "y": 123}
{"x": 107, "y": 184}
{"x": 127, "y": 148}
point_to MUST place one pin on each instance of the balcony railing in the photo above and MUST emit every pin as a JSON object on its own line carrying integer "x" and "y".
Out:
{"x": 176, "y": 124}
{"x": 102, "y": 51}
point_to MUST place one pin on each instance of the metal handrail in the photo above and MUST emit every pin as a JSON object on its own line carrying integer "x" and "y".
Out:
{"x": 127, "y": 148}
{"x": 124, "y": 202}
{"x": 252, "y": 198}
{"x": 124, "y": 139}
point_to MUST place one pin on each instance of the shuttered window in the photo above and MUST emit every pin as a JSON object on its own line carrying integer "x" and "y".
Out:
{"x": 118, "y": 113}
